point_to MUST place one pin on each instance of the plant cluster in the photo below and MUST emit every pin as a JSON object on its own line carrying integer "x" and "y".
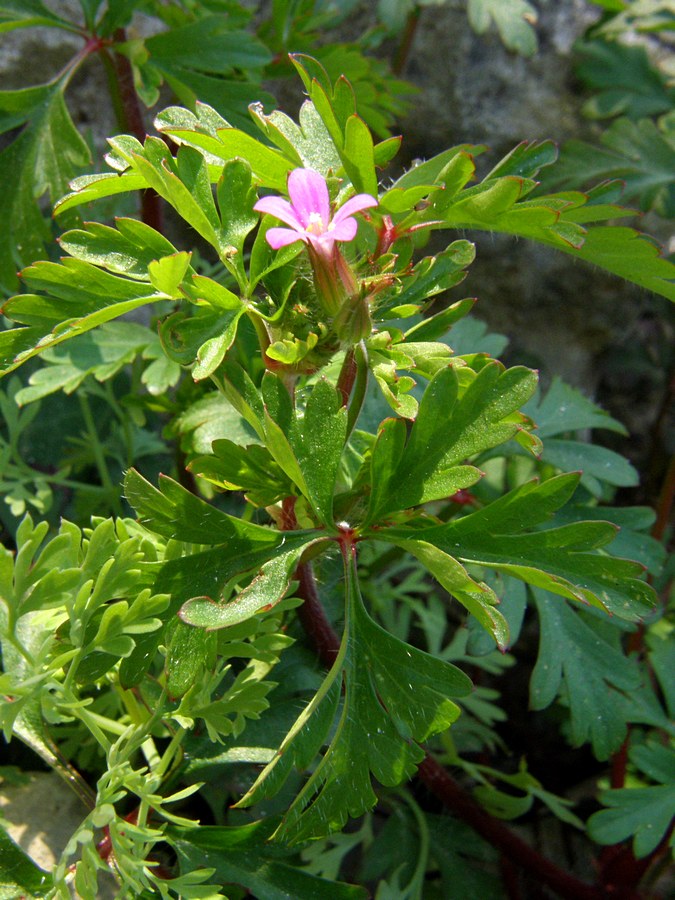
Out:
{"x": 276, "y": 672}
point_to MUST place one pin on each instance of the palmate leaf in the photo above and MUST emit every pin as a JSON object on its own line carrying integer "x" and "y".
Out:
{"x": 100, "y": 353}
{"x": 643, "y": 813}
{"x": 394, "y": 696}
{"x": 201, "y": 59}
{"x": 42, "y": 159}
{"x": 578, "y": 659}
{"x": 514, "y": 20}
{"x": 560, "y": 413}
{"x": 627, "y": 82}
{"x": 640, "y": 153}
{"x": 237, "y": 550}
{"x": 562, "y": 560}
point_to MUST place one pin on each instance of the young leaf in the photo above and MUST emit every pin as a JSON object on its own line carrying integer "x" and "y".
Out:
{"x": 450, "y": 426}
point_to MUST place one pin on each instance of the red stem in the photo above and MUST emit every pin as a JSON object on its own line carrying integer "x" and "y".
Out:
{"x": 151, "y": 211}
{"x": 409, "y": 30}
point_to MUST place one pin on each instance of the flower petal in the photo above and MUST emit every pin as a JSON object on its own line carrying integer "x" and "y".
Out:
{"x": 344, "y": 230}
{"x": 309, "y": 196}
{"x": 281, "y": 237}
{"x": 280, "y": 209}
{"x": 353, "y": 205}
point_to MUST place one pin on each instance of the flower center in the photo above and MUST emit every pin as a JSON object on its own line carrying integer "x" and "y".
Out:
{"x": 315, "y": 224}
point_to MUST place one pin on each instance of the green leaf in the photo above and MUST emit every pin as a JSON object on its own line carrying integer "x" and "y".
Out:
{"x": 42, "y": 159}
{"x": 627, "y": 82}
{"x": 307, "y": 447}
{"x": 128, "y": 249}
{"x": 211, "y": 418}
{"x": 394, "y": 695}
{"x": 175, "y": 513}
{"x": 266, "y": 589}
{"x": 88, "y": 188}
{"x": 250, "y": 469}
{"x": 514, "y": 20}
{"x": 499, "y": 204}
{"x": 80, "y": 297}
{"x": 358, "y": 156}
{"x": 452, "y": 424}
{"x": 645, "y": 814}
{"x": 223, "y": 144}
{"x": 561, "y": 559}
{"x": 202, "y": 339}
{"x": 19, "y": 875}
{"x": 306, "y": 144}
{"x": 577, "y": 659}
{"x": 478, "y": 598}
{"x": 242, "y": 855}
{"x": 189, "y": 651}
{"x": 25, "y": 13}
{"x": 639, "y": 153}
{"x": 564, "y": 408}
{"x": 236, "y": 196}
{"x": 100, "y": 353}
{"x": 208, "y": 44}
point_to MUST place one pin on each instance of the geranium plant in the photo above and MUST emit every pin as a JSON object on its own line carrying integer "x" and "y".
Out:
{"x": 234, "y": 629}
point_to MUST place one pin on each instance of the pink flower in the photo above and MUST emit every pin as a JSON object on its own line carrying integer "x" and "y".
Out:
{"x": 308, "y": 214}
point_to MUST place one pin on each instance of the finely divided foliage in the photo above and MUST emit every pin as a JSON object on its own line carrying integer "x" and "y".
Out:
{"x": 337, "y": 407}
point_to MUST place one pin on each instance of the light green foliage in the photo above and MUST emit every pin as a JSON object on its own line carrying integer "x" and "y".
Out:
{"x": 514, "y": 20}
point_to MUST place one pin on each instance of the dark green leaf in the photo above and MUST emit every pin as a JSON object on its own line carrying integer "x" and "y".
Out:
{"x": 263, "y": 593}
{"x": 394, "y": 695}
{"x": 19, "y": 876}
{"x": 42, "y": 159}
{"x": 627, "y": 82}
{"x": 588, "y": 670}
{"x": 645, "y": 814}
{"x": 561, "y": 560}
{"x": 640, "y": 153}
{"x": 175, "y": 513}
{"x": 242, "y": 855}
